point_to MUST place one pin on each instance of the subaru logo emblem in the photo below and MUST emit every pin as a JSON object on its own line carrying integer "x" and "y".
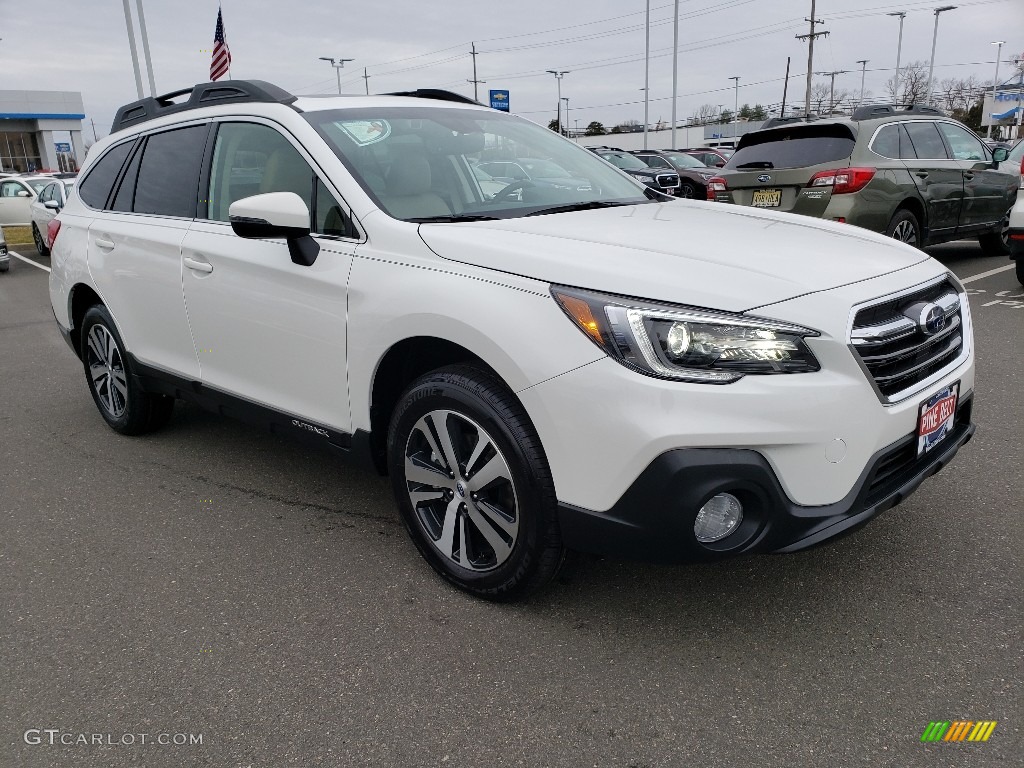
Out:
{"x": 928, "y": 317}
{"x": 764, "y": 178}
{"x": 461, "y": 489}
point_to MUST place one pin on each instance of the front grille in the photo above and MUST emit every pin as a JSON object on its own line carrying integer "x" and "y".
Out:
{"x": 895, "y": 350}
{"x": 667, "y": 179}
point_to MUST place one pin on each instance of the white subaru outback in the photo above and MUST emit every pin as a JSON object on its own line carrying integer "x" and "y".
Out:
{"x": 540, "y": 367}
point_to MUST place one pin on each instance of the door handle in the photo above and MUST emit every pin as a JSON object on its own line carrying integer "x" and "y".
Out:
{"x": 198, "y": 266}
{"x": 104, "y": 243}
{"x": 922, "y": 174}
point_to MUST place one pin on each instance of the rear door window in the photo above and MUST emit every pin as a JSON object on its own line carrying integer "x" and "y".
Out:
{"x": 168, "y": 181}
{"x": 95, "y": 188}
{"x": 797, "y": 146}
{"x": 927, "y": 141}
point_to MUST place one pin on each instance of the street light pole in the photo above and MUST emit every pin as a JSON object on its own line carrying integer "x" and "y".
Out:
{"x": 995, "y": 82}
{"x": 131, "y": 45}
{"x": 863, "y": 68}
{"x": 338, "y": 65}
{"x": 558, "y": 77}
{"x": 566, "y": 100}
{"x": 935, "y": 37}
{"x": 736, "y": 109}
{"x": 675, "y": 70}
{"x": 899, "y": 50}
{"x": 647, "y": 70}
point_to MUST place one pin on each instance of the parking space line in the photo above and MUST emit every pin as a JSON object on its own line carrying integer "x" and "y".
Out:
{"x": 991, "y": 272}
{"x": 28, "y": 261}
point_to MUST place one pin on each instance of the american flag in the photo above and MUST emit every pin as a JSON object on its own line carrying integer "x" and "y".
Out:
{"x": 221, "y": 61}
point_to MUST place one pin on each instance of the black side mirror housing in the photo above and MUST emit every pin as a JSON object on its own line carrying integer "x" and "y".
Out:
{"x": 999, "y": 154}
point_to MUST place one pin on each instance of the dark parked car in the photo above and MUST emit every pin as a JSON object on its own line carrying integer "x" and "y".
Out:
{"x": 913, "y": 174}
{"x": 666, "y": 182}
{"x": 693, "y": 174}
{"x": 711, "y": 157}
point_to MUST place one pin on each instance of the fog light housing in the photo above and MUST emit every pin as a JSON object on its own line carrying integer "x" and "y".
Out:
{"x": 722, "y": 515}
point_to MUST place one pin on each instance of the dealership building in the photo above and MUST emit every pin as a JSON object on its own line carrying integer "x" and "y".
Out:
{"x": 28, "y": 122}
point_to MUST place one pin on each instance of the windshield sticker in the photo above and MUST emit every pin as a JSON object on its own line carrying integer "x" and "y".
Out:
{"x": 364, "y": 132}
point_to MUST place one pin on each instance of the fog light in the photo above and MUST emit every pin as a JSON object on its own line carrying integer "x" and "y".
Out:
{"x": 718, "y": 518}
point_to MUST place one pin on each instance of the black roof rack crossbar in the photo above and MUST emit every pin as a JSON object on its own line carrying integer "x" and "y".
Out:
{"x": 885, "y": 110}
{"x": 437, "y": 94}
{"x": 202, "y": 95}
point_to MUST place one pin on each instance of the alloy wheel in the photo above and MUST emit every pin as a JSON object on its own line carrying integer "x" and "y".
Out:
{"x": 461, "y": 490}
{"x": 106, "y": 371}
{"x": 40, "y": 245}
{"x": 905, "y": 232}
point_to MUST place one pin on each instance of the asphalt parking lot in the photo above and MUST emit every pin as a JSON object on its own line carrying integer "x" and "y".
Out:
{"x": 213, "y": 579}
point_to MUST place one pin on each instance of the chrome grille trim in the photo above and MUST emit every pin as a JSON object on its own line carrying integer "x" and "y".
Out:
{"x": 898, "y": 358}
{"x": 667, "y": 179}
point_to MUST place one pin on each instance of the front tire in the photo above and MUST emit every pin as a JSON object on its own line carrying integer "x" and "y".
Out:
{"x": 120, "y": 399}
{"x": 1020, "y": 269}
{"x": 40, "y": 243}
{"x": 997, "y": 243}
{"x": 473, "y": 485}
{"x": 905, "y": 227}
{"x": 688, "y": 191}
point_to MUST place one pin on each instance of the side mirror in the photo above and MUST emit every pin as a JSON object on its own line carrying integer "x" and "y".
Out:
{"x": 53, "y": 205}
{"x": 273, "y": 215}
{"x": 23, "y": 193}
{"x": 999, "y": 154}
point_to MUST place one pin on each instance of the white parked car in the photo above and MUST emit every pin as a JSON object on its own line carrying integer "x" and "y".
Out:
{"x": 1016, "y": 233}
{"x": 542, "y": 369}
{"x": 45, "y": 207}
{"x": 17, "y": 193}
{"x": 5, "y": 258}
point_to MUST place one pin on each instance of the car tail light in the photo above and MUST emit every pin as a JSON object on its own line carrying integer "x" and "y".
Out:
{"x": 1022, "y": 173}
{"x": 843, "y": 180}
{"x": 716, "y": 184}
{"x": 51, "y": 232}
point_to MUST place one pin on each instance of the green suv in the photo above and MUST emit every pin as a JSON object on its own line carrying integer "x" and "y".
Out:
{"x": 913, "y": 174}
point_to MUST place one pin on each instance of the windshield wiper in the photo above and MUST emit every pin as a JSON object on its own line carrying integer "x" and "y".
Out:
{"x": 757, "y": 164}
{"x": 578, "y": 207}
{"x": 452, "y": 218}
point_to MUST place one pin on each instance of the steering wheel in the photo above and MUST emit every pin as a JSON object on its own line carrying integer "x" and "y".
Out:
{"x": 507, "y": 192}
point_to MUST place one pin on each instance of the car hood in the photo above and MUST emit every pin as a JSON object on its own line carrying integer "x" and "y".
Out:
{"x": 701, "y": 254}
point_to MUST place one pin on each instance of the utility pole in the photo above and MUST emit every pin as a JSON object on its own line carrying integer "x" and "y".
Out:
{"x": 93, "y": 130}
{"x": 810, "y": 55}
{"x": 558, "y": 76}
{"x": 995, "y": 82}
{"x": 566, "y": 100}
{"x": 675, "y": 70}
{"x": 832, "y": 88}
{"x": 863, "y": 68}
{"x": 785, "y": 90}
{"x": 736, "y": 109}
{"x": 899, "y": 50}
{"x": 366, "y": 77}
{"x": 474, "y": 81}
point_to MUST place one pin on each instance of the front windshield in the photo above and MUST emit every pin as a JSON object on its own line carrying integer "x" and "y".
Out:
{"x": 625, "y": 161}
{"x": 419, "y": 163}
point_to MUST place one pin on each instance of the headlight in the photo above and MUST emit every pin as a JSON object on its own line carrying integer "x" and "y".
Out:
{"x": 687, "y": 344}
{"x": 707, "y": 176}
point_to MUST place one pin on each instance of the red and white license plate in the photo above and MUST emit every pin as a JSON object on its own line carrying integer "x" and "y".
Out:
{"x": 935, "y": 418}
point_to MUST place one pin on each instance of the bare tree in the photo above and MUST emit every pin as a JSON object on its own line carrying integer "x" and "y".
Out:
{"x": 819, "y": 96}
{"x": 958, "y": 94}
{"x": 707, "y": 113}
{"x": 913, "y": 85}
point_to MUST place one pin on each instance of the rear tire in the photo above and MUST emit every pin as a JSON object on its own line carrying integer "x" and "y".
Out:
{"x": 473, "y": 485}
{"x": 119, "y": 397}
{"x": 905, "y": 227}
{"x": 40, "y": 243}
{"x": 997, "y": 243}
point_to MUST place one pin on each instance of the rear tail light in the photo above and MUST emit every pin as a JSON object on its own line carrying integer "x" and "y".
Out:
{"x": 716, "y": 184}
{"x": 1022, "y": 173}
{"x": 843, "y": 180}
{"x": 51, "y": 232}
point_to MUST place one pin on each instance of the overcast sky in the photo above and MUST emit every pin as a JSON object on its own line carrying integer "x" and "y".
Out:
{"x": 82, "y": 45}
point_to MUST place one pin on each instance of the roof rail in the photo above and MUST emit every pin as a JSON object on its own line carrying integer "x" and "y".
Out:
{"x": 202, "y": 95}
{"x": 438, "y": 95}
{"x": 885, "y": 110}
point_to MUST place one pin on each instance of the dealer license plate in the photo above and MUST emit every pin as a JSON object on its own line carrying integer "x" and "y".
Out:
{"x": 767, "y": 198}
{"x": 935, "y": 419}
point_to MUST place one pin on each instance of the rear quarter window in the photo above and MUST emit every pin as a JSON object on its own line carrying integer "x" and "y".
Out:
{"x": 95, "y": 188}
{"x": 796, "y": 146}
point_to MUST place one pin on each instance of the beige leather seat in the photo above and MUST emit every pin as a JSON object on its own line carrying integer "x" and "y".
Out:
{"x": 408, "y": 190}
{"x": 286, "y": 171}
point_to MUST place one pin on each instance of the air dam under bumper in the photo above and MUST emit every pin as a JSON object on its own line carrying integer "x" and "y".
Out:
{"x": 653, "y": 521}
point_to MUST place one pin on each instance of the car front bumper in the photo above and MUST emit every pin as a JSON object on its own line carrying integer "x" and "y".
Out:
{"x": 653, "y": 521}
